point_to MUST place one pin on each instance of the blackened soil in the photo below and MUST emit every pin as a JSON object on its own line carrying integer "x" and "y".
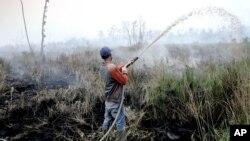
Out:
{"x": 22, "y": 117}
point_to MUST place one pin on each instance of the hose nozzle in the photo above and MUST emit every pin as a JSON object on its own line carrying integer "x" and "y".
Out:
{"x": 132, "y": 61}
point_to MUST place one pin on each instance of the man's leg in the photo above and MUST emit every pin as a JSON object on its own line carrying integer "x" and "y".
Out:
{"x": 120, "y": 123}
{"x": 107, "y": 119}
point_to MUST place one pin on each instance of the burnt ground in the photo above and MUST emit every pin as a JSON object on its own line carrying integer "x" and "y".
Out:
{"x": 25, "y": 117}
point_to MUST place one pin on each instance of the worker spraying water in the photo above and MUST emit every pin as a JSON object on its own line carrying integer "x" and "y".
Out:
{"x": 116, "y": 77}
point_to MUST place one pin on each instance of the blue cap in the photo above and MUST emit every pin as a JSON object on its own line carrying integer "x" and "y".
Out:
{"x": 105, "y": 52}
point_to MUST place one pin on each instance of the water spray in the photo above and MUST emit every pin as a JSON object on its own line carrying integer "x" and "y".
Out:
{"x": 235, "y": 23}
{"x": 160, "y": 36}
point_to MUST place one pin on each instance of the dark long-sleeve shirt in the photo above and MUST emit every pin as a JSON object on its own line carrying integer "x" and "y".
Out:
{"x": 114, "y": 81}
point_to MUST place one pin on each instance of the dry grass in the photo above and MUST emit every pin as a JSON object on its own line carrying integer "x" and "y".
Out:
{"x": 65, "y": 100}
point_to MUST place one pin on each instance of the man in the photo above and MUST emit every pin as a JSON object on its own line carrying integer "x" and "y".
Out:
{"x": 115, "y": 77}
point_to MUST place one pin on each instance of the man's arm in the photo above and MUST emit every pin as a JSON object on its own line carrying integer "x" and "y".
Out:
{"x": 117, "y": 74}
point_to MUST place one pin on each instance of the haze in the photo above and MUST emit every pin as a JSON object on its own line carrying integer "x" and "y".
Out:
{"x": 85, "y": 18}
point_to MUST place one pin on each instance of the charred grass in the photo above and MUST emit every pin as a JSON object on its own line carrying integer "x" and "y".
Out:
{"x": 62, "y": 99}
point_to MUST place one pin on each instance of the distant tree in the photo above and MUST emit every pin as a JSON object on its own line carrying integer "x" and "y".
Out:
{"x": 25, "y": 27}
{"x": 128, "y": 34}
{"x": 113, "y": 32}
{"x": 135, "y": 32}
{"x": 45, "y": 10}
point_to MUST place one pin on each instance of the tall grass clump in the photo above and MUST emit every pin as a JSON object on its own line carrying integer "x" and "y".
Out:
{"x": 214, "y": 98}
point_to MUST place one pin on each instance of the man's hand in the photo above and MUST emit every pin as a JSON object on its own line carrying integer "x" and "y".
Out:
{"x": 124, "y": 70}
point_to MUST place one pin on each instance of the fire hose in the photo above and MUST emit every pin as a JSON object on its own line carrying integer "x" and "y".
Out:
{"x": 133, "y": 61}
{"x": 120, "y": 106}
{"x": 116, "y": 117}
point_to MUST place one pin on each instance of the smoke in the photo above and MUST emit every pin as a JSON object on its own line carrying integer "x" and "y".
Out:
{"x": 179, "y": 56}
{"x": 175, "y": 56}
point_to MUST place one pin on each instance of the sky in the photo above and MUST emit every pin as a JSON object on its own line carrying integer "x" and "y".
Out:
{"x": 85, "y": 18}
